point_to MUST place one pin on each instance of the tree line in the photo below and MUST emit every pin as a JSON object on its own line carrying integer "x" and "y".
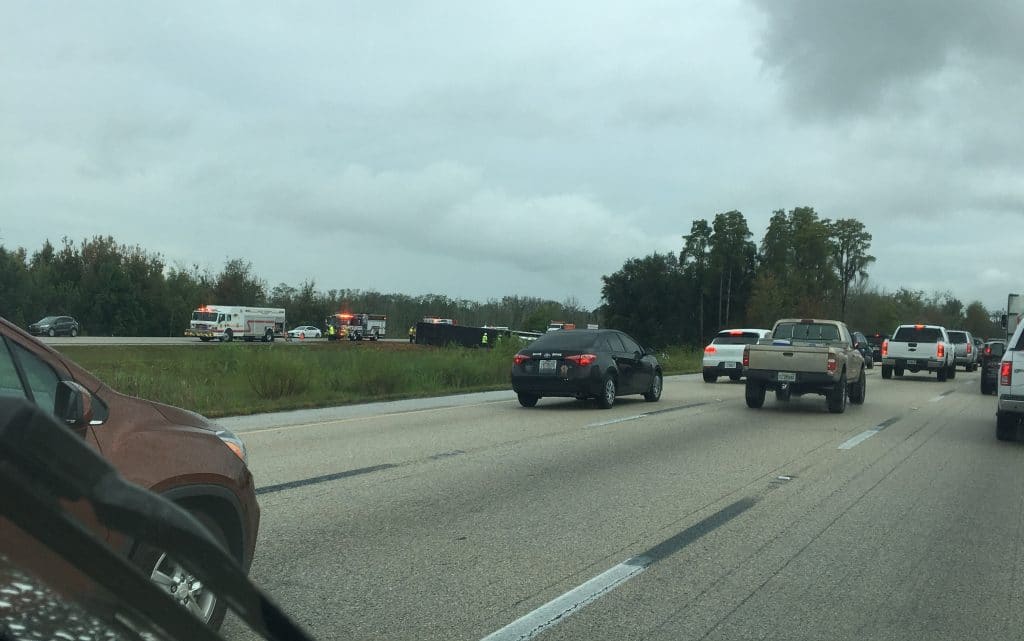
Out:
{"x": 123, "y": 290}
{"x": 804, "y": 266}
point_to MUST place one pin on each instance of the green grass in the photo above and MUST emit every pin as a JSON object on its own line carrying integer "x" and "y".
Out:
{"x": 230, "y": 379}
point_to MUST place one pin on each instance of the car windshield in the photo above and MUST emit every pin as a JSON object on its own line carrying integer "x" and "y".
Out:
{"x": 730, "y": 338}
{"x": 209, "y": 317}
{"x": 914, "y": 334}
{"x": 564, "y": 340}
{"x": 806, "y": 332}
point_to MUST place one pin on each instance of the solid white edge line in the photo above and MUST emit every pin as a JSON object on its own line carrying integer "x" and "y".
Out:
{"x": 617, "y": 420}
{"x": 936, "y": 399}
{"x": 857, "y": 440}
{"x": 555, "y": 611}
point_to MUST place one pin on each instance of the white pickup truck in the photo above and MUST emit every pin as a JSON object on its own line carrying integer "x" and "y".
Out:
{"x": 1010, "y": 412}
{"x": 919, "y": 348}
{"x": 806, "y": 356}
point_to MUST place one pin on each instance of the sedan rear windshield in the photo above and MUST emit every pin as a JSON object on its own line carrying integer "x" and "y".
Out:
{"x": 958, "y": 337}
{"x": 564, "y": 340}
{"x": 917, "y": 335}
{"x": 743, "y": 338}
{"x": 806, "y": 332}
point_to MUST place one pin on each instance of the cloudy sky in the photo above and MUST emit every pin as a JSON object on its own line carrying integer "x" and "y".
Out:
{"x": 480, "y": 149}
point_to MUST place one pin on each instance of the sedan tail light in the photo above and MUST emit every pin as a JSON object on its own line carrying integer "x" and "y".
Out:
{"x": 519, "y": 359}
{"x": 710, "y": 349}
{"x": 885, "y": 348}
{"x": 1005, "y": 375}
{"x": 582, "y": 359}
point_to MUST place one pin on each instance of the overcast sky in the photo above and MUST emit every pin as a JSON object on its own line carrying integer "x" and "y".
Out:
{"x": 481, "y": 149}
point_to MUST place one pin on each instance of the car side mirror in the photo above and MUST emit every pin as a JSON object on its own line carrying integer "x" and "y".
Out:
{"x": 73, "y": 403}
{"x": 637, "y": 355}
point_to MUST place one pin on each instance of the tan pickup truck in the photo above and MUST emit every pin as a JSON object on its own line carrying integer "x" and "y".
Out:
{"x": 805, "y": 356}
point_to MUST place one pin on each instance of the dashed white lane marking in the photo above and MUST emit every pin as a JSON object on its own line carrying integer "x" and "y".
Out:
{"x": 617, "y": 420}
{"x": 857, "y": 440}
{"x": 552, "y": 612}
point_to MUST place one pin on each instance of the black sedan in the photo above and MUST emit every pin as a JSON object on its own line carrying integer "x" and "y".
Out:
{"x": 585, "y": 363}
{"x": 55, "y": 326}
{"x": 863, "y": 345}
{"x": 988, "y": 362}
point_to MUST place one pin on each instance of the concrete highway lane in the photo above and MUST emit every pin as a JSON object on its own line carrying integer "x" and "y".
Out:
{"x": 691, "y": 518}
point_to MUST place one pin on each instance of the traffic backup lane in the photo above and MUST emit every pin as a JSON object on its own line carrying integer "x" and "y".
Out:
{"x": 485, "y": 517}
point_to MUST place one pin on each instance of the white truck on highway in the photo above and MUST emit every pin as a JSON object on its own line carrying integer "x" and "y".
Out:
{"x": 919, "y": 348}
{"x": 1014, "y": 313}
{"x": 1010, "y": 411}
{"x": 228, "y": 322}
{"x": 806, "y": 356}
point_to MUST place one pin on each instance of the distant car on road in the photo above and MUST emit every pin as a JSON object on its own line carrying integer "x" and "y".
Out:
{"x": 876, "y": 340}
{"x": 55, "y": 326}
{"x": 862, "y": 345}
{"x": 991, "y": 354}
{"x": 585, "y": 363}
{"x": 966, "y": 354}
{"x": 305, "y": 331}
{"x": 723, "y": 356}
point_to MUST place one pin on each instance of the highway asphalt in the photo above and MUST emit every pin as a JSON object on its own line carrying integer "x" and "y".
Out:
{"x": 692, "y": 518}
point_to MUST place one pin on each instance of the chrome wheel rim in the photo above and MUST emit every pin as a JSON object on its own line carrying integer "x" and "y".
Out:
{"x": 609, "y": 391}
{"x": 184, "y": 588}
{"x": 656, "y": 387}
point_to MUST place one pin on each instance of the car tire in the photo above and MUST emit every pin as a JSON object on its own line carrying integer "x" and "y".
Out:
{"x": 735, "y": 377}
{"x": 528, "y": 400}
{"x": 206, "y": 606}
{"x": 754, "y": 394}
{"x": 227, "y": 337}
{"x": 870, "y": 364}
{"x": 74, "y": 332}
{"x": 205, "y": 339}
{"x": 886, "y": 372}
{"x": 606, "y": 398}
{"x": 654, "y": 393}
{"x": 837, "y": 397}
{"x": 1006, "y": 427}
{"x": 942, "y": 375}
{"x": 898, "y": 371}
{"x": 952, "y": 373}
{"x": 51, "y": 333}
{"x": 710, "y": 378}
{"x": 859, "y": 390}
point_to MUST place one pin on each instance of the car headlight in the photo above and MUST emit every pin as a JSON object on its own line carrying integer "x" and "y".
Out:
{"x": 234, "y": 444}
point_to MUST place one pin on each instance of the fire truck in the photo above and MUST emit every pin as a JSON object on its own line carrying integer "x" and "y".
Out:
{"x": 356, "y": 327}
{"x": 228, "y": 322}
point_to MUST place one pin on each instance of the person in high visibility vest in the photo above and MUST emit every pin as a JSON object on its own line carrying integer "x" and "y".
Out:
{"x": 330, "y": 331}
{"x": 412, "y": 334}
{"x": 483, "y": 340}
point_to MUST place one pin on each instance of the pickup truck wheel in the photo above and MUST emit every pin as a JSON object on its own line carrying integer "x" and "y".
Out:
{"x": 837, "y": 397}
{"x": 709, "y": 377}
{"x": 859, "y": 390}
{"x": 886, "y": 372}
{"x": 942, "y": 374}
{"x": 898, "y": 371}
{"x": 952, "y": 372}
{"x": 1006, "y": 427}
{"x": 606, "y": 398}
{"x": 754, "y": 394}
{"x": 528, "y": 400}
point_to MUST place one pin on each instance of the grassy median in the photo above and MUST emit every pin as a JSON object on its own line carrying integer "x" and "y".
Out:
{"x": 239, "y": 378}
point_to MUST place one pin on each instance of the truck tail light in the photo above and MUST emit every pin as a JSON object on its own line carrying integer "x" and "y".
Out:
{"x": 885, "y": 348}
{"x": 746, "y": 356}
{"x": 832, "y": 363}
{"x": 519, "y": 359}
{"x": 940, "y": 351}
{"x": 710, "y": 349}
{"x": 582, "y": 359}
{"x": 1005, "y": 375}
{"x": 970, "y": 348}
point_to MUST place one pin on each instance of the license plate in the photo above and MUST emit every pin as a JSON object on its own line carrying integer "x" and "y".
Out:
{"x": 787, "y": 377}
{"x": 547, "y": 366}
{"x": 729, "y": 366}
{"x": 911, "y": 362}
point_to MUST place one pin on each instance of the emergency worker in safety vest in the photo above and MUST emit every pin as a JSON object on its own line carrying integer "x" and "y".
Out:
{"x": 484, "y": 339}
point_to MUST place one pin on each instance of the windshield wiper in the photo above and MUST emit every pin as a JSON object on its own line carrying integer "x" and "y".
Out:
{"x": 43, "y": 462}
